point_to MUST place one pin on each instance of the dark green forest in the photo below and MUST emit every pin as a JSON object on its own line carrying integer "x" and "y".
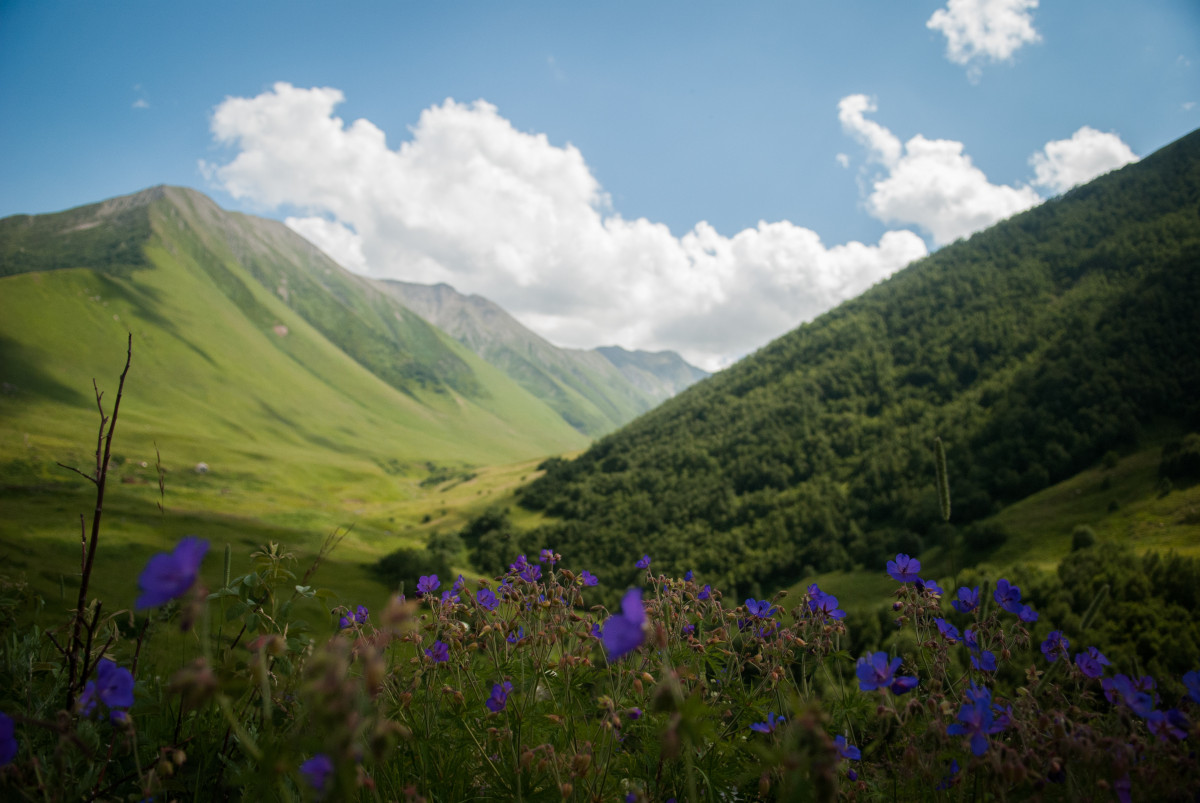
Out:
{"x": 1032, "y": 350}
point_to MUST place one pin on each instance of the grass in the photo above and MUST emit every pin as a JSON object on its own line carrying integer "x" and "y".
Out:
{"x": 1041, "y": 525}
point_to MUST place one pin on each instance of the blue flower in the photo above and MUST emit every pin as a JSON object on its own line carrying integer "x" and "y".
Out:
{"x": 1164, "y": 726}
{"x": 427, "y": 583}
{"x": 1055, "y": 646}
{"x": 903, "y": 569}
{"x": 687, "y": 576}
{"x": 548, "y": 556}
{"x": 825, "y": 604}
{"x": 975, "y": 720}
{"x": 170, "y": 575}
{"x": 968, "y": 600}
{"x": 846, "y": 750}
{"x": 644, "y": 563}
{"x": 519, "y": 564}
{"x": 317, "y": 771}
{"x": 439, "y": 652}
{"x": 1091, "y": 663}
{"x": 759, "y": 609}
{"x": 361, "y": 613}
{"x": 1191, "y": 681}
{"x": 1027, "y": 614}
{"x": 113, "y": 687}
{"x": 530, "y": 573}
{"x": 8, "y": 740}
{"x": 948, "y": 631}
{"x": 705, "y": 593}
{"x": 623, "y": 633}
{"x": 516, "y": 635}
{"x": 499, "y": 698}
{"x": 1007, "y": 596}
{"x": 875, "y": 672}
{"x": 770, "y": 725}
{"x": 984, "y": 661}
{"x": 588, "y": 578}
{"x": 486, "y": 599}
{"x": 929, "y": 587}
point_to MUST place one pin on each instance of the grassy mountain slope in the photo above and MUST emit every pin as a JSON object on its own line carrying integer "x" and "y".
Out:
{"x": 299, "y": 437}
{"x": 591, "y": 393}
{"x": 1031, "y": 349}
{"x": 661, "y": 374}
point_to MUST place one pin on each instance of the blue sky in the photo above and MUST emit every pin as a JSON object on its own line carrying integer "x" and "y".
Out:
{"x": 695, "y": 176}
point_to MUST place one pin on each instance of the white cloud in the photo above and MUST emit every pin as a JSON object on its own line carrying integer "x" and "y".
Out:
{"x": 1089, "y": 153}
{"x": 843, "y": 159}
{"x": 984, "y": 30}
{"x": 929, "y": 183}
{"x": 141, "y": 103}
{"x": 471, "y": 201}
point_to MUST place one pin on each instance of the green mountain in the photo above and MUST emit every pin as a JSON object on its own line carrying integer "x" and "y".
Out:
{"x": 593, "y": 391}
{"x": 248, "y": 343}
{"x": 1032, "y": 349}
{"x": 659, "y": 374}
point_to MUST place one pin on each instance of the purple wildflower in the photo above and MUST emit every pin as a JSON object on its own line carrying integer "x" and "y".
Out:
{"x": 759, "y": 609}
{"x": 1027, "y": 614}
{"x": 770, "y": 725}
{"x": 689, "y": 630}
{"x": 968, "y": 600}
{"x": 588, "y": 578}
{"x": 929, "y": 587}
{"x": 1055, "y": 646}
{"x": 1191, "y": 681}
{"x": 361, "y": 613}
{"x": 875, "y": 672}
{"x": 439, "y": 652}
{"x": 1007, "y": 596}
{"x": 499, "y": 698}
{"x": 517, "y": 565}
{"x": 903, "y": 569}
{"x": 984, "y": 661}
{"x": 317, "y": 771}
{"x": 687, "y": 576}
{"x": 449, "y": 596}
{"x": 1091, "y": 663}
{"x": 828, "y": 605}
{"x": 949, "y": 632}
{"x": 972, "y": 641}
{"x": 1161, "y": 726}
{"x": 635, "y": 713}
{"x": 427, "y": 583}
{"x": 8, "y": 740}
{"x": 975, "y": 720}
{"x": 530, "y": 573}
{"x": 622, "y": 633}
{"x": 345, "y": 622}
{"x": 113, "y": 687}
{"x": 486, "y": 599}
{"x": 548, "y": 556}
{"x": 846, "y": 750}
{"x": 644, "y": 563}
{"x": 170, "y": 575}
{"x": 705, "y": 593}
{"x": 516, "y": 635}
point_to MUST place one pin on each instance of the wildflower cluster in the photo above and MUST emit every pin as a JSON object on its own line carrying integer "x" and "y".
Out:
{"x": 522, "y": 686}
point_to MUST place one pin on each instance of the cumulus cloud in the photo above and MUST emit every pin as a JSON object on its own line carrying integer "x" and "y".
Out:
{"x": 928, "y": 183}
{"x": 984, "y": 30}
{"x": 471, "y": 201}
{"x": 1064, "y": 163}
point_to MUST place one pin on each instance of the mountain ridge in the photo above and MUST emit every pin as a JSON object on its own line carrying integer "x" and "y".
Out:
{"x": 592, "y": 392}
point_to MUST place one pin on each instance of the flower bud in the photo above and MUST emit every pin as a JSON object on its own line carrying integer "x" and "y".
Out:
{"x": 566, "y": 789}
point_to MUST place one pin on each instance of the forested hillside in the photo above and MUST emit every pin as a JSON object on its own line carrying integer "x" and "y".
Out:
{"x": 1031, "y": 350}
